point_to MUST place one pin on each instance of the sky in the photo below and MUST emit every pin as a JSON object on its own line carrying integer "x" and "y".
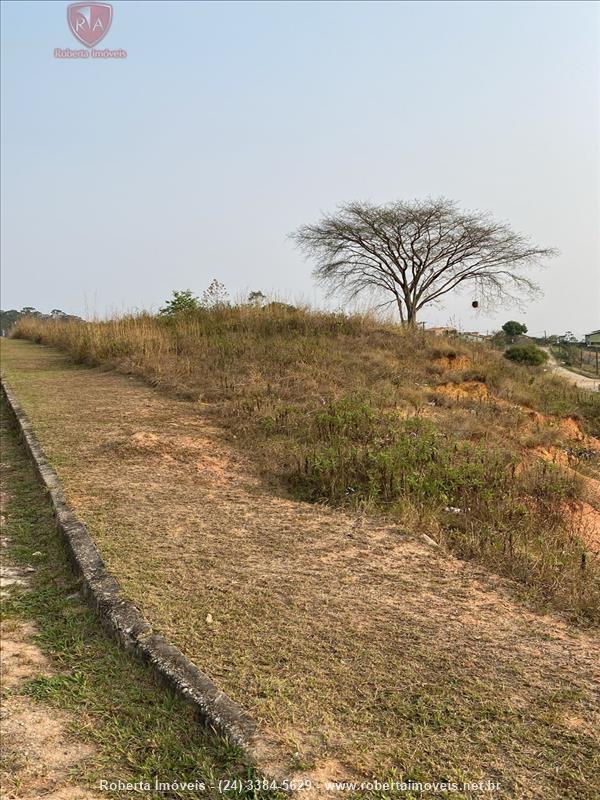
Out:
{"x": 230, "y": 124}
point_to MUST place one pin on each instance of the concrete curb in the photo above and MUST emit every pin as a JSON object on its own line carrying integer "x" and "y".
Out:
{"x": 125, "y": 622}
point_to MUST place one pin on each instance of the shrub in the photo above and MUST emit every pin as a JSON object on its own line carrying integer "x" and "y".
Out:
{"x": 180, "y": 303}
{"x": 527, "y": 354}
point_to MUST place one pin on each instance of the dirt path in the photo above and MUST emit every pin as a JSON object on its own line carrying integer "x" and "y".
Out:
{"x": 581, "y": 381}
{"x": 359, "y": 649}
{"x": 36, "y": 753}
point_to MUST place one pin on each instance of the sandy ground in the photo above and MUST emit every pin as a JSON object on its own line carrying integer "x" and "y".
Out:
{"x": 36, "y": 753}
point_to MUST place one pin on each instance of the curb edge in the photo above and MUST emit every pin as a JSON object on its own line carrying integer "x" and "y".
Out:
{"x": 123, "y": 620}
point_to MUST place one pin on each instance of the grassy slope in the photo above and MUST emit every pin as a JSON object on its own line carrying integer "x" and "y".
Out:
{"x": 139, "y": 728}
{"x": 348, "y": 411}
{"x": 353, "y": 644}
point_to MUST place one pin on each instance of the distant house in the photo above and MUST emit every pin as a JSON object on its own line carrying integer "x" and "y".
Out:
{"x": 475, "y": 336}
{"x": 593, "y": 338}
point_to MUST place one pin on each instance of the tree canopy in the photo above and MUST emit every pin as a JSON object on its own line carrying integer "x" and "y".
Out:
{"x": 412, "y": 254}
{"x": 513, "y": 328}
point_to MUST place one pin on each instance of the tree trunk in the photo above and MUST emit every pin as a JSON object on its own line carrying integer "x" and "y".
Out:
{"x": 411, "y": 315}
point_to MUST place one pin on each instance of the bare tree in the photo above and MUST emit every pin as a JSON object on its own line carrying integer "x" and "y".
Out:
{"x": 415, "y": 253}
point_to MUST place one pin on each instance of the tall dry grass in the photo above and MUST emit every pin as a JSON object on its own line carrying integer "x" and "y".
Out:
{"x": 346, "y": 410}
{"x": 234, "y": 350}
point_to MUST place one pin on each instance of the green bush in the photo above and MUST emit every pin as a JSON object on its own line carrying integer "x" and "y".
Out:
{"x": 182, "y": 302}
{"x": 527, "y": 354}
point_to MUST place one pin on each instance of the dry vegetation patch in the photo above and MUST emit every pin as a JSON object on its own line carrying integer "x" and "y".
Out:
{"x": 314, "y": 400}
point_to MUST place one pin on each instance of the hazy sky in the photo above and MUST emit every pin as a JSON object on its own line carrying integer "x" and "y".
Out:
{"x": 230, "y": 124}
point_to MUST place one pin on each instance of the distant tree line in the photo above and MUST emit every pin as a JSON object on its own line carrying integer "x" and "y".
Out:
{"x": 10, "y": 316}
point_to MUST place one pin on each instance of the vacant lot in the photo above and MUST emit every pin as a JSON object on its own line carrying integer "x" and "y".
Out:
{"x": 358, "y": 648}
{"x": 497, "y": 462}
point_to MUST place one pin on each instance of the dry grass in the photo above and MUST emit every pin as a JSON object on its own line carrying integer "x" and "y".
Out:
{"x": 238, "y": 354}
{"x": 360, "y": 650}
{"x": 250, "y": 361}
{"x": 75, "y": 708}
{"x": 269, "y": 377}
